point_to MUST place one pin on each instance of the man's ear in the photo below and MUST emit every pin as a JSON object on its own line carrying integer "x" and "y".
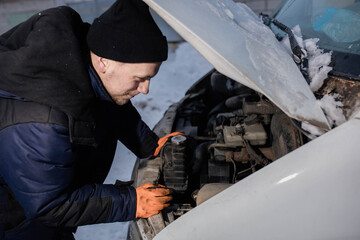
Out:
{"x": 103, "y": 64}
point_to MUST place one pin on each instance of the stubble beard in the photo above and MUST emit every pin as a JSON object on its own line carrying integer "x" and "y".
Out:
{"x": 121, "y": 100}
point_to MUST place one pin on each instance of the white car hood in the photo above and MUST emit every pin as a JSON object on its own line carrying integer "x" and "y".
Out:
{"x": 233, "y": 39}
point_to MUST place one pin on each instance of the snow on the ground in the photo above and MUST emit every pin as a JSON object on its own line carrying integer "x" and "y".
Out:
{"x": 183, "y": 67}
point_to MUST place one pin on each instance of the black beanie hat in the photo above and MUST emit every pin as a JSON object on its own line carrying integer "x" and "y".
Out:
{"x": 126, "y": 32}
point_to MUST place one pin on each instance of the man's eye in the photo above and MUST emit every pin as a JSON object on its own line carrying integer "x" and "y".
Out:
{"x": 142, "y": 79}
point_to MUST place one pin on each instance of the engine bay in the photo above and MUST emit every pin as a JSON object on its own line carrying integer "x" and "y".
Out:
{"x": 230, "y": 132}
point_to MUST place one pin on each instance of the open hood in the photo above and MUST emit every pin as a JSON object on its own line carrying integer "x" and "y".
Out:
{"x": 233, "y": 39}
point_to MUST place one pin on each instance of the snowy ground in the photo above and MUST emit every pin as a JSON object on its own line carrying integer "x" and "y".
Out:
{"x": 183, "y": 67}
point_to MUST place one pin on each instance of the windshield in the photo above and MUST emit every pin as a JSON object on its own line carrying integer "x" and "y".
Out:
{"x": 336, "y": 23}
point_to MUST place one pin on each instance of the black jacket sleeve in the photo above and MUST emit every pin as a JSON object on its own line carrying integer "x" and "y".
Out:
{"x": 125, "y": 122}
{"x": 37, "y": 163}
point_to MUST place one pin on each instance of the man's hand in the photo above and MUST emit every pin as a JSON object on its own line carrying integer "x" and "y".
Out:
{"x": 163, "y": 140}
{"x": 151, "y": 199}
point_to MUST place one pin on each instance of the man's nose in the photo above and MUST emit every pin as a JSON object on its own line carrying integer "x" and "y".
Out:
{"x": 144, "y": 87}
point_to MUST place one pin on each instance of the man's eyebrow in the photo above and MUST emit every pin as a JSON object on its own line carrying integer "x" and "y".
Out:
{"x": 144, "y": 77}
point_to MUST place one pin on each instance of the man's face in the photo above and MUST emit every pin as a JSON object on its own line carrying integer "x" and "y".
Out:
{"x": 125, "y": 80}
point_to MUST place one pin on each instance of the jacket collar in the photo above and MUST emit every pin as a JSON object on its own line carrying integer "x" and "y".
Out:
{"x": 98, "y": 87}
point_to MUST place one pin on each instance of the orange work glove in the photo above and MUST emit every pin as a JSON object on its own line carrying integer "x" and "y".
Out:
{"x": 163, "y": 140}
{"x": 151, "y": 199}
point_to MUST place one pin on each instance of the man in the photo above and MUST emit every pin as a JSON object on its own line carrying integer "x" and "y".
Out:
{"x": 65, "y": 88}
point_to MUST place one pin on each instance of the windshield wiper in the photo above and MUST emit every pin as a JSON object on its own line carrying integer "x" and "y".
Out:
{"x": 296, "y": 50}
{"x": 295, "y": 47}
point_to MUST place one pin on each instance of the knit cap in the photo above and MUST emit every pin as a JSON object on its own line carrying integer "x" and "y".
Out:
{"x": 126, "y": 32}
